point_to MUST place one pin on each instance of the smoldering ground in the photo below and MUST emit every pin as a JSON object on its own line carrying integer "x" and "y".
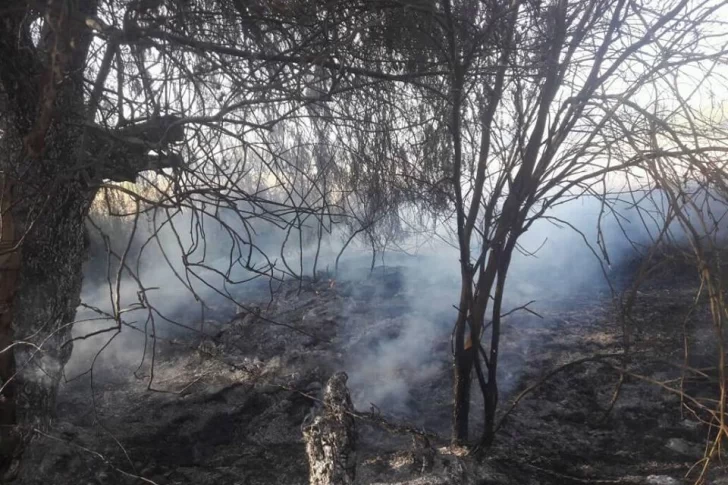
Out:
{"x": 394, "y": 344}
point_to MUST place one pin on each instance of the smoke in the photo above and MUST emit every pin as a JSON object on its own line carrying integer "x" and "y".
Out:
{"x": 183, "y": 274}
{"x": 577, "y": 252}
{"x": 399, "y": 343}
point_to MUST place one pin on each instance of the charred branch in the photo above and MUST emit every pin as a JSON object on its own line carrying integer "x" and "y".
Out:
{"x": 121, "y": 154}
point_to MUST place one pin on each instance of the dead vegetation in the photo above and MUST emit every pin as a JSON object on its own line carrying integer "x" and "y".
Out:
{"x": 250, "y": 385}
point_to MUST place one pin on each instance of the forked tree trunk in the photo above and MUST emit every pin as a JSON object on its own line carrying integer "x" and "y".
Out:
{"x": 469, "y": 328}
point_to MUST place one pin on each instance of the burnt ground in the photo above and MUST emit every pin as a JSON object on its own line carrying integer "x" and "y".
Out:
{"x": 227, "y": 408}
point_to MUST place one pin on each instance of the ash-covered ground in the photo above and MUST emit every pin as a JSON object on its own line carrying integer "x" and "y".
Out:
{"x": 227, "y": 407}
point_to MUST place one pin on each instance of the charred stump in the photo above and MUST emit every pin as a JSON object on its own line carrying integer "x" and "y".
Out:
{"x": 330, "y": 437}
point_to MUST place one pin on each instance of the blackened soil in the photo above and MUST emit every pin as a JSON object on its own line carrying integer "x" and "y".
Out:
{"x": 228, "y": 409}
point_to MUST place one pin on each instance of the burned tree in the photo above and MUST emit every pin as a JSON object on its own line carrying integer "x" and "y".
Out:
{"x": 51, "y": 166}
{"x": 541, "y": 81}
{"x": 519, "y": 107}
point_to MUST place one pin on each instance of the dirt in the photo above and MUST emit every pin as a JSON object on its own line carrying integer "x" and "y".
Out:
{"x": 227, "y": 408}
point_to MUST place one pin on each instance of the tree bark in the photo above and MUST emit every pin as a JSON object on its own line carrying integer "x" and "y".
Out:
{"x": 48, "y": 293}
{"x": 463, "y": 366}
{"x": 45, "y": 201}
{"x": 52, "y": 159}
{"x": 44, "y": 233}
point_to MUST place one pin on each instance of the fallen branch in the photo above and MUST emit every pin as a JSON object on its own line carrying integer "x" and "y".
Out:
{"x": 96, "y": 454}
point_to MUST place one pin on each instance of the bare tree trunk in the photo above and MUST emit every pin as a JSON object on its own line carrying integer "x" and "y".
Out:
{"x": 46, "y": 196}
{"x": 48, "y": 293}
{"x": 44, "y": 242}
{"x": 331, "y": 437}
{"x": 374, "y": 254}
{"x": 9, "y": 268}
{"x": 463, "y": 366}
{"x": 490, "y": 402}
